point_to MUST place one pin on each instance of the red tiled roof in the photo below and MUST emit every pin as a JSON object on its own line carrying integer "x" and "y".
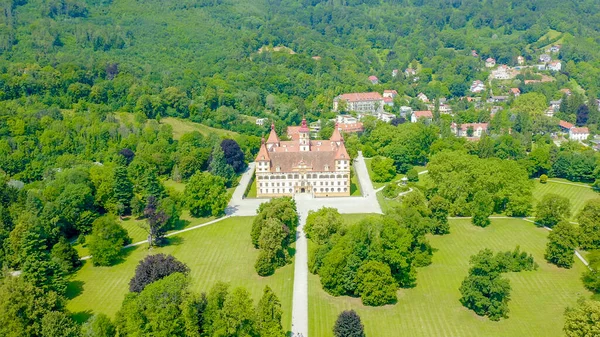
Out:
{"x": 273, "y": 135}
{"x": 489, "y": 59}
{"x": 388, "y": 99}
{"x": 391, "y": 92}
{"x": 361, "y": 96}
{"x": 341, "y": 152}
{"x": 336, "y": 136}
{"x": 565, "y": 124}
{"x": 263, "y": 153}
{"x": 475, "y": 126}
{"x": 372, "y": 78}
{"x": 583, "y": 130}
{"x": 515, "y": 90}
{"x": 421, "y": 114}
{"x": 351, "y": 127}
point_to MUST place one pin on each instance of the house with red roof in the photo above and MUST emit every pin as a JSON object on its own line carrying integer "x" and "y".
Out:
{"x": 361, "y": 102}
{"x": 490, "y": 62}
{"x": 373, "y": 79}
{"x": 425, "y": 115}
{"x": 471, "y": 131}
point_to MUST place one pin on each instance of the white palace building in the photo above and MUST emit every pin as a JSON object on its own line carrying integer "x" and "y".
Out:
{"x": 302, "y": 165}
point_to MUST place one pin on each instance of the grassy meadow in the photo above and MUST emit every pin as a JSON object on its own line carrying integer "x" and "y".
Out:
{"x": 432, "y": 308}
{"x": 577, "y": 193}
{"x": 218, "y": 252}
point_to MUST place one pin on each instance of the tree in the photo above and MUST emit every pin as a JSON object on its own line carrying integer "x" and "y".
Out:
{"x": 273, "y": 246}
{"x": 153, "y": 268}
{"x": 320, "y": 225}
{"x": 383, "y": 169}
{"x": 156, "y": 311}
{"x": 439, "y": 208}
{"x": 65, "y": 255}
{"x": 562, "y": 242}
{"x": 582, "y": 320}
{"x": 486, "y": 295}
{"x": 98, "y": 325}
{"x": 233, "y": 155}
{"x": 122, "y": 189}
{"x": 59, "y": 324}
{"x": 205, "y": 195}
{"x": 348, "y": 324}
{"x": 583, "y": 113}
{"x": 530, "y": 103}
{"x": 156, "y": 221}
{"x": 152, "y": 187}
{"x": 375, "y": 284}
{"x": 589, "y": 225}
{"x": 543, "y": 179}
{"x": 591, "y": 277}
{"x": 283, "y": 209}
{"x": 237, "y": 317}
{"x": 483, "y": 206}
{"x": 552, "y": 209}
{"x": 412, "y": 175}
{"x": 268, "y": 315}
{"x": 218, "y": 166}
{"x": 23, "y": 307}
{"x": 106, "y": 241}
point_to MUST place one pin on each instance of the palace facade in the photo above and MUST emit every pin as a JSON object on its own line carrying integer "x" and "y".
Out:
{"x": 302, "y": 165}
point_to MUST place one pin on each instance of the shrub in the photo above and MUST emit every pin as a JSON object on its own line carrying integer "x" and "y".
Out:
{"x": 412, "y": 175}
{"x": 543, "y": 179}
{"x": 390, "y": 191}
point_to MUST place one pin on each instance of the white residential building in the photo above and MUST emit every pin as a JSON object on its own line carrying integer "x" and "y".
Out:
{"x": 361, "y": 102}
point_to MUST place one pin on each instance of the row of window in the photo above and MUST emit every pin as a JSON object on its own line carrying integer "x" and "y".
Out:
{"x": 309, "y": 183}
{"x": 307, "y": 176}
{"x": 317, "y": 190}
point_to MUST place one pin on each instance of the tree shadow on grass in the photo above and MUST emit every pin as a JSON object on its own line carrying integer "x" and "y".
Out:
{"x": 125, "y": 252}
{"x": 74, "y": 289}
{"x": 173, "y": 241}
{"x": 180, "y": 224}
{"x": 81, "y": 316}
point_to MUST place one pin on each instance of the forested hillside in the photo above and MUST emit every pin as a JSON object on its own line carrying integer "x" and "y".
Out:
{"x": 160, "y": 56}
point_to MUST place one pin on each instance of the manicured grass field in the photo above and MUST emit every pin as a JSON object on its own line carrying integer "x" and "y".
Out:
{"x": 218, "y": 252}
{"x": 252, "y": 190}
{"x": 354, "y": 185}
{"x": 432, "y": 308}
{"x": 181, "y": 127}
{"x": 578, "y": 195}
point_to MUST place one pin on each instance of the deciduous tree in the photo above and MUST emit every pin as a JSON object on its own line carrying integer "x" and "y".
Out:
{"x": 153, "y": 268}
{"x": 106, "y": 241}
{"x": 206, "y": 195}
{"x": 562, "y": 242}
{"x": 552, "y": 209}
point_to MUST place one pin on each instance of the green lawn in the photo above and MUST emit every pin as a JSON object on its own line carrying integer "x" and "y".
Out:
{"x": 578, "y": 195}
{"x": 432, "y": 308}
{"x": 182, "y": 126}
{"x": 252, "y": 190}
{"x": 354, "y": 185}
{"x": 219, "y": 252}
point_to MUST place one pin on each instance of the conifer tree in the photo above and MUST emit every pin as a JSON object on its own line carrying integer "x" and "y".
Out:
{"x": 219, "y": 167}
{"x": 122, "y": 189}
{"x": 268, "y": 315}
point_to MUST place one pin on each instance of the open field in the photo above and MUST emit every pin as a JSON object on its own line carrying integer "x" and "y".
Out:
{"x": 432, "y": 308}
{"x": 578, "y": 195}
{"x": 182, "y": 126}
{"x": 354, "y": 185}
{"x": 219, "y": 252}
